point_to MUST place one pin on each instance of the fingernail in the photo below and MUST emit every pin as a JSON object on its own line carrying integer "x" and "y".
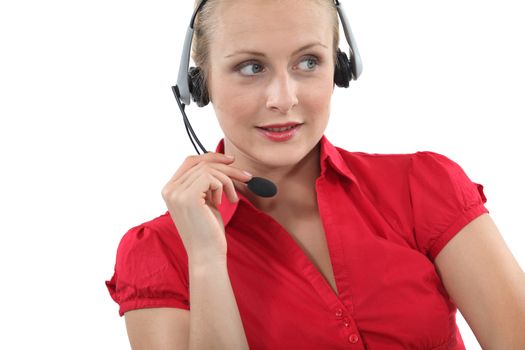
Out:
{"x": 228, "y": 156}
{"x": 247, "y": 173}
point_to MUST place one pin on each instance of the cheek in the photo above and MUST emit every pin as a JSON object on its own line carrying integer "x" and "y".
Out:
{"x": 235, "y": 104}
{"x": 318, "y": 97}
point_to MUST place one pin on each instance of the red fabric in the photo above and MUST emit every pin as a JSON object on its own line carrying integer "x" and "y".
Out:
{"x": 386, "y": 217}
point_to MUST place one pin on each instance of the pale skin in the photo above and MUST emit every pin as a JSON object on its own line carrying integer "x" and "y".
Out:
{"x": 278, "y": 88}
{"x": 285, "y": 86}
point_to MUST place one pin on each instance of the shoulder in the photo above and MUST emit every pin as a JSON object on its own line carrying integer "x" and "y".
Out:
{"x": 151, "y": 268}
{"x": 434, "y": 163}
{"x": 154, "y": 243}
{"x": 365, "y": 164}
{"x": 437, "y": 175}
{"x": 424, "y": 194}
{"x": 421, "y": 177}
{"x": 382, "y": 179}
{"x": 161, "y": 227}
{"x": 363, "y": 161}
{"x": 379, "y": 175}
{"x": 397, "y": 168}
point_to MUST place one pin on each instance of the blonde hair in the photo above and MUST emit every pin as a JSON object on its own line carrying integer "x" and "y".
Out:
{"x": 206, "y": 23}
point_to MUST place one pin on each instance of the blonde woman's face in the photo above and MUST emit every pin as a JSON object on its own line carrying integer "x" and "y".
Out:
{"x": 271, "y": 62}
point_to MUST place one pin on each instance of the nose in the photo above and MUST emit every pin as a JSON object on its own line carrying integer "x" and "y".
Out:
{"x": 282, "y": 94}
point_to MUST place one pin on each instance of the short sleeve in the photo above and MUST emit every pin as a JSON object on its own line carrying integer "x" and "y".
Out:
{"x": 149, "y": 272}
{"x": 443, "y": 200}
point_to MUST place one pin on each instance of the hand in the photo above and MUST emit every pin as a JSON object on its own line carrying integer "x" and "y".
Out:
{"x": 192, "y": 196}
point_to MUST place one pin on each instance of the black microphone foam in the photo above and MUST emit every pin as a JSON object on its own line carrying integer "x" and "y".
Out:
{"x": 262, "y": 187}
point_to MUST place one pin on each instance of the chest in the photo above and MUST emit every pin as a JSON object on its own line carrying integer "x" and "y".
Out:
{"x": 383, "y": 291}
{"x": 386, "y": 292}
{"x": 310, "y": 236}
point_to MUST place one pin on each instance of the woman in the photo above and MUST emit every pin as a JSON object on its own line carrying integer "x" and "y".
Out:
{"x": 356, "y": 251}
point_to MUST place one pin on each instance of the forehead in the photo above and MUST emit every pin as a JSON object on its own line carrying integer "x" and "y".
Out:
{"x": 256, "y": 23}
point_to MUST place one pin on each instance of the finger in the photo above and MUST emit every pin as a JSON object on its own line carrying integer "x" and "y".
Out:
{"x": 227, "y": 186}
{"x": 210, "y": 201}
{"x": 217, "y": 196}
{"x": 204, "y": 186}
{"x": 229, "y": 170}
{"x": 227, "y": 183}
{"x": 190, "y": 161}
{"x": 189, "y": 173}
{"x": 214, "y": 196}
{"x": 233, "y": 172}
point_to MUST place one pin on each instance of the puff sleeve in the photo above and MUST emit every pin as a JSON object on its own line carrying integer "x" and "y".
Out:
{"x": 443, "y": 200}
{"x": 150, "y": 271}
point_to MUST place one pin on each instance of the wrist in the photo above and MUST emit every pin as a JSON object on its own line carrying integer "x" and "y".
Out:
{"x": 206, "y": 260}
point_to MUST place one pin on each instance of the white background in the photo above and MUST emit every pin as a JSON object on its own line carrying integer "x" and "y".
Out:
{"x": 90, "y": 132}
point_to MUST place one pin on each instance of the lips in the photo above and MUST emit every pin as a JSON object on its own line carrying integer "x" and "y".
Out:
{"x": 280, "y": 134}
{"x": 278, "y": 126}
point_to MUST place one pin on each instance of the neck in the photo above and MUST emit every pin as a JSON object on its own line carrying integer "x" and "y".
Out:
{"x": 295, "y": 186}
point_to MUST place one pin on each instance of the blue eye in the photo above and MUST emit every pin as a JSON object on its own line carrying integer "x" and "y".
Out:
{"x": 250, "y": 68}
{"x": 253, "y": 68}
{"x": 311, "y": 63}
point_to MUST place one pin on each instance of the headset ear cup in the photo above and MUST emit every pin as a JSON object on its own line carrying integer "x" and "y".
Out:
{"x": 198, "y": 88}
{"x": 343, "y": 70}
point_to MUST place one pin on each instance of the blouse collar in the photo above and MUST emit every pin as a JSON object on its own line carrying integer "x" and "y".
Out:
{"x": 330, "y": 157}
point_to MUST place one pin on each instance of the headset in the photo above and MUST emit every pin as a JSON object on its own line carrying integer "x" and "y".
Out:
{"x": 192, "y": 85}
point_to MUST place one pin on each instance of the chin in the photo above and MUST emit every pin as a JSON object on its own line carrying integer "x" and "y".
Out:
{"x": 291, "y": 157}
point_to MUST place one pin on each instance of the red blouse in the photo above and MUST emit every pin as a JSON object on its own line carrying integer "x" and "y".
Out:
{"x": 385, "y": 216}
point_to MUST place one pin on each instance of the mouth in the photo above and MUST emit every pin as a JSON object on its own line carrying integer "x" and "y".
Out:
{"x": 279, "y": 127}
{"x": 280, "y": 134}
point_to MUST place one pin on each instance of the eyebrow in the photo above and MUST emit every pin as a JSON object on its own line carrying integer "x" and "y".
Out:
{"x": 256, "y": 53}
